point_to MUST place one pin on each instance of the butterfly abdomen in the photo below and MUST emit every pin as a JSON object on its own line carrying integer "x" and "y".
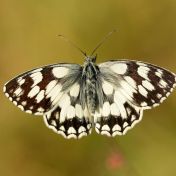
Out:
{"x": 91, "y": 94}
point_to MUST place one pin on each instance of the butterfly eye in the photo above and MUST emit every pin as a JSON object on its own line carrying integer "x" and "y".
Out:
{"x": 94, "y": 59}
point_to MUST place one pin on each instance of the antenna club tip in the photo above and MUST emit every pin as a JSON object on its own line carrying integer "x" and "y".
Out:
{"x": 114, "y": 30}
{"x": 59, "y": 35}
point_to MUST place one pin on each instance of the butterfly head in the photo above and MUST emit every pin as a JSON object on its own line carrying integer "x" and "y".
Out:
{"x": 89, "y": 67}
{"x": 90, "y": 59}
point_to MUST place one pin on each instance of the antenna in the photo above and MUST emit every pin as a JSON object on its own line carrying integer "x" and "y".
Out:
{"x": 72, "y": 43}
{"x": 102, "y": 41}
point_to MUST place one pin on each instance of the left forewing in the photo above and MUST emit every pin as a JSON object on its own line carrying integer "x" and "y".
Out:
{"x": 38, "y": 90}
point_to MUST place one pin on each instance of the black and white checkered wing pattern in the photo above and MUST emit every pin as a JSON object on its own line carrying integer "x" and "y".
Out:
{"x": 37, "y": 91}
{"x": 69, "y": 118}
{"x": 113, "y": 94}
{"x": 52, "y": 91}
{"x": 129, "y": 87}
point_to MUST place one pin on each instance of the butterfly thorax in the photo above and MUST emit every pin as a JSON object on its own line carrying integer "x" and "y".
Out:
{"x": 90, "y": 72}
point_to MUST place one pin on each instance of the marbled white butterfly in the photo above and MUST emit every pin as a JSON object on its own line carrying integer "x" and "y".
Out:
{"x": 72, "y": 98}
{"x": 110, "y": 96}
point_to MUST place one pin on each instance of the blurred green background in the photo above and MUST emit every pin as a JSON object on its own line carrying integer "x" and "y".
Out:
{"x": 28, "y": 29}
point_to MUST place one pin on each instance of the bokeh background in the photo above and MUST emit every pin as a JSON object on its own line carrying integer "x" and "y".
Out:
{"x": 28, "y": 29}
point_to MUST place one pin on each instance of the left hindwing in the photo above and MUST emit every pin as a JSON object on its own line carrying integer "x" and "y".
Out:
{"x": 128, "y": 88}
{"x": 69, "y": 118}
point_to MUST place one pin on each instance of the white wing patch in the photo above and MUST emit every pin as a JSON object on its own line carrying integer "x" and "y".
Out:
{"x": 34, "y": 91}
{"x": 75, "y": 89}
{"x": 50, "y": 86}
{"x": 119, "y": 68}
{"x": 60, "y": 72}
{"x": 107, "y": 88}
{"x": 148, "y": 85}
{"x": 36, "y": 77}
{"x": 143, "y": 72}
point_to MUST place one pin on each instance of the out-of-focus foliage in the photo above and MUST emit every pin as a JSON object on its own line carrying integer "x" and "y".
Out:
{"x": 28, "y": 29}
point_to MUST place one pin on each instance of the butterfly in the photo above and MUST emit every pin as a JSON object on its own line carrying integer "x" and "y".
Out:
{"x": 109, "y": 96}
